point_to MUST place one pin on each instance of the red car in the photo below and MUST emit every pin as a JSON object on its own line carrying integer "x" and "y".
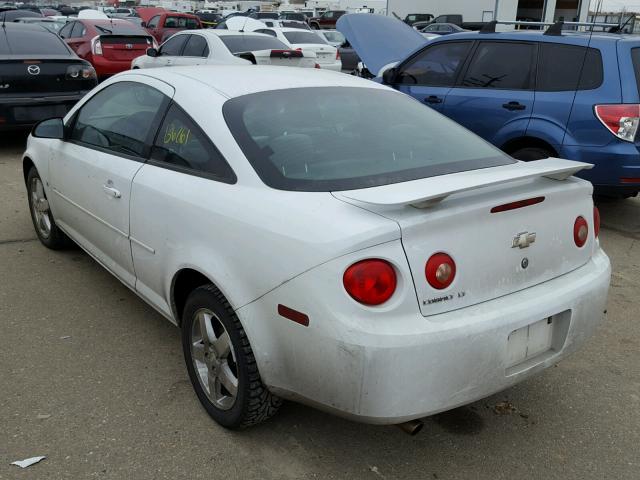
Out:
{"x": 327, "y": 20}
{"x": 110, "y": 45}
{"x": 165, "y": 24}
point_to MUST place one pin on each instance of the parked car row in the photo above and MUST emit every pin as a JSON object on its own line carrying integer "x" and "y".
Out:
{"x": 530, "y": 93}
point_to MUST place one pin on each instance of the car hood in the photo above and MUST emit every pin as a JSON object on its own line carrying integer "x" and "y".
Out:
{"x": 379, "y": 40}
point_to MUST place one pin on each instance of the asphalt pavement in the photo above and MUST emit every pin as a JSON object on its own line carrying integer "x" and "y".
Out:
{"x": 93, "y": 378}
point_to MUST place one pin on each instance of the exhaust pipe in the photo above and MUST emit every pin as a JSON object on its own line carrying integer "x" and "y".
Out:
{"x": 412, "y": 427}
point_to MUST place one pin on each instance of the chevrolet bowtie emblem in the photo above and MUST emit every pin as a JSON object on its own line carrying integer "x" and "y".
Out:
{"x": 523, "y": 240}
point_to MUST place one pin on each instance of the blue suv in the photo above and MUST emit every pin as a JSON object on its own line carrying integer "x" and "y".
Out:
{"x": 534, "y": 95}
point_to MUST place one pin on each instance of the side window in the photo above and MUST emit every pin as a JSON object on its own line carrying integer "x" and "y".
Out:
{"x": 196, "y": 47}
{"x": 78, "y": 30}
{"x": 119, "y": 118}
{"x": 501, "y": 65}
{"x": 153, "y": 23}
{"x": 65, "y": 31}
{"x": 559, "y": 68}
{"x": 181, "y": 144}
{"x": 436, "y": 66}
{"x": 173, "y": 46}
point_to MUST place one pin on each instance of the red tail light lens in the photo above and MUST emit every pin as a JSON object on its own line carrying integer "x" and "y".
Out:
{"x": 370, "y": 282}
{"x": 621, "y": 120}
{"x": 337, "y": 54}
{"x": 580, "y": 232}
{"x": 596, "y": 221}
{"x": 440, "y": 270}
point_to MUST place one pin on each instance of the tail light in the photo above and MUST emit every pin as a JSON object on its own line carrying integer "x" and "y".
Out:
{"x": 440, "y": 270}
{"x": 96, "y": 46}
{"x": 580, "y": 232}
{"x": 596, "y": 221}
{"x": 337, "y": 54}
{"x": 317, "y": 65}
{"x": 622, "y": 120}
{"x": 80, "y": 72}
{"x": 370, "y": 282}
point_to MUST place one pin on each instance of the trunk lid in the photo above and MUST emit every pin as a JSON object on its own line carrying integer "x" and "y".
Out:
{"x": 324, "y": 53}
{"x": 286, "y": 58}
{"x": 496, "y": 253}
{"x": 379, "y": 40}
{"x": 124, "y": 47}
{"x": 48, "y": 76}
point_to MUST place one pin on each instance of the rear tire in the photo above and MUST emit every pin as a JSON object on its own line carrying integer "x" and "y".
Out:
{"x": 315, "y": 26}
{"x": 221, "y": 363}
{"x": 43, "y": 222}
{"x": 529, "y": 154}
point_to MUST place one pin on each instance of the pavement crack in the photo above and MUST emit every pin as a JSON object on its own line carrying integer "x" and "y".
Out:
{"x": 17, "y": 240}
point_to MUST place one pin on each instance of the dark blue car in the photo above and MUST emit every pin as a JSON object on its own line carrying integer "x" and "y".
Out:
{"x": 534, "y": 95}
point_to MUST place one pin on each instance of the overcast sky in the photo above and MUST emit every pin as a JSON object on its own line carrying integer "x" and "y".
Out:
{"x": 617, "y": 5}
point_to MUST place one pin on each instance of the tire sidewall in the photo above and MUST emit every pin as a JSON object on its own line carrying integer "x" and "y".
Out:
{"x": 201, "y": 298}
{"x": 53, "y": 240}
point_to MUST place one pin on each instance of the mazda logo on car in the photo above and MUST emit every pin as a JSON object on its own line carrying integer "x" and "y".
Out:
{"x": 33, "y": 70}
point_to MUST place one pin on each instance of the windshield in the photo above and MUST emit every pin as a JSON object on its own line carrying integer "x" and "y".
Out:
{"x": 250, "y": 43}
{"x": 335, "y": 37}
{"x": 340, "y": 138}
{"x": 303, "y": 37}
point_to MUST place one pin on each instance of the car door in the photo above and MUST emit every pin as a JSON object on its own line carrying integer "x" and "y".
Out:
{"x": 91, "y": 171}
{"x": 494, "y": 96}
{"x": 429, "y": 75}
{"x": 183, "y": 161}
{"x": 170, "y": 51}
{"x": 75, "y": 38}
{"x": 152, "y": 27}
{"x": 194, "y": 52}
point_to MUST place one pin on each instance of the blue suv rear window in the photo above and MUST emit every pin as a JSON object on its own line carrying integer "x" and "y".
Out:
{"x": 635, "y": 57}
{"x": 559, "y": 68}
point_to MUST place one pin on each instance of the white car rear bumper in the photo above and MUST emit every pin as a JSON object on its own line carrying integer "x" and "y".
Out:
{"x": 409, "y": 366}
{"x": 335, "y": 67}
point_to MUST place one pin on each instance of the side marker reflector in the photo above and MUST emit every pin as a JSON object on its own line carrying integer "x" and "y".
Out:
{"x": 293, "y": 315}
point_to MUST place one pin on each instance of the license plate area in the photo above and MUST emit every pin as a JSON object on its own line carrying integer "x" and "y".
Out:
{"x": 534, "y": 343}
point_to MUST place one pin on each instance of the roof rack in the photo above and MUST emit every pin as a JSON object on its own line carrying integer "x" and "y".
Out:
{"x": 554, "y": 28}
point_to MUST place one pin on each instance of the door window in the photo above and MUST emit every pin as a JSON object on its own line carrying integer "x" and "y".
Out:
{"x": 559, "y": 68}
{"x": 173, "y": 46}
{"x": 436, "y": 66}
{"x": 65, "y": 31}
{"x": 119, "y": 118}
{"x": 182, "y": 145}
{"x": 78, "y": 30}
{"x": 153, "y": 23}
{"x": 196, "y": 47}
{"x": 502, "y": 65}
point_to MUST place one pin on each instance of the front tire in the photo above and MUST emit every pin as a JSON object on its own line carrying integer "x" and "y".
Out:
{"x": 43, "y": 222}
{"x": 221, "y": 363}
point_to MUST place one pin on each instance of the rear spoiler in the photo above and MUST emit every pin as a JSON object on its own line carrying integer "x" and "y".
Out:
{"x": 426, "y": 192}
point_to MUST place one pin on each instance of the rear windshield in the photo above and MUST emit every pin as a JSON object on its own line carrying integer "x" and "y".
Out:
{"x": 249, "y": 43}
{"x": 303, "y": 37}
{"x": 340, "y": 138}
{"x": 181, "y": 22}
{"x": 635, "y": 57}
{"x": 124, "y": 28}
{"x": 336, "y": 37}
{"x": 31, "y": 41}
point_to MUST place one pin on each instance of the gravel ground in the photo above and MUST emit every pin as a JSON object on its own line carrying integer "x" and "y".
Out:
{"x": 94, "y": 379}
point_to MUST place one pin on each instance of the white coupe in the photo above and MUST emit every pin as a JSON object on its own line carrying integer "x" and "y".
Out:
{"x": 223, "y": 47}
{"x": 322, "y": 238}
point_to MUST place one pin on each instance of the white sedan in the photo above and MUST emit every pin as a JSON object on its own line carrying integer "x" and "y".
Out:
{"x": 223, "y": 47}
{"x": 333, "y": 241}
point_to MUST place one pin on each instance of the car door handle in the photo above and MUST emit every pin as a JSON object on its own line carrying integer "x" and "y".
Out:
{"x": 513, "y": 106}
{"x": 433, "y": 99}
{"x": 112, "y": 192}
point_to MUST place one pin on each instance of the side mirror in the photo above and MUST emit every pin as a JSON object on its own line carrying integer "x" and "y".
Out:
{"x": 51, "y": 128}
{"x": 389, "y": 76}
{"x": 152, "y": 52}
{"x": 143, "y": 24}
